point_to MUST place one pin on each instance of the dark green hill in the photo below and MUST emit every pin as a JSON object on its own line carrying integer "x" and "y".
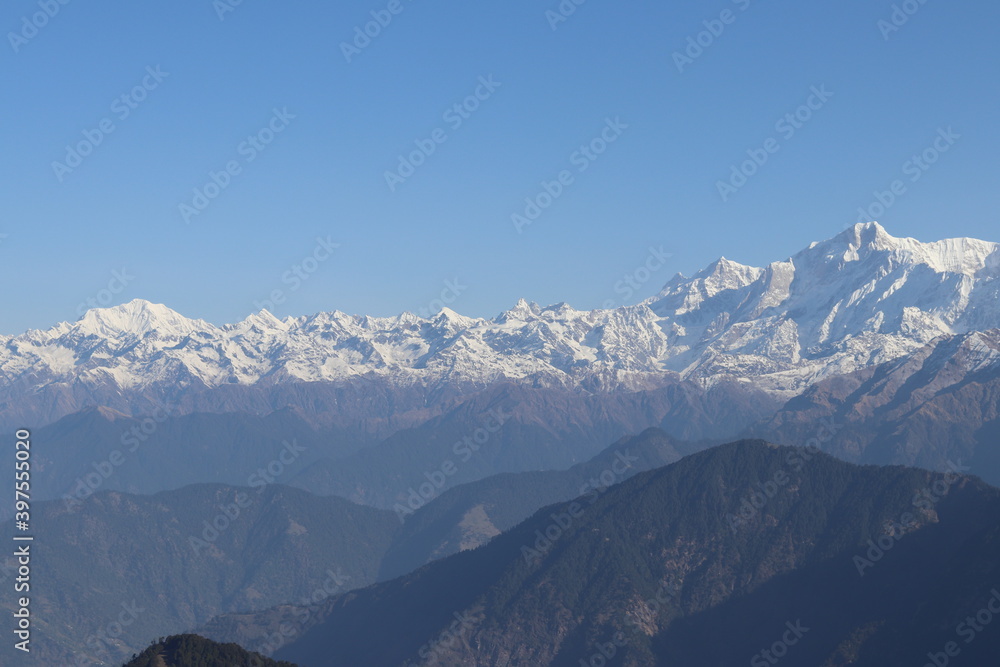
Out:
{"x": 195, "y": 651}
{"x": 839, "y": 564}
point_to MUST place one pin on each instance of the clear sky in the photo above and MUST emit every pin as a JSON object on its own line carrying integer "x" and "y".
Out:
{"x": 202, "y": 81}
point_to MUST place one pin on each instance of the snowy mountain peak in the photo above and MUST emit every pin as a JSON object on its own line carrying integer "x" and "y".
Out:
{"x": 685, "y": 295}
{"x": 523, "y": 309}
{"x": 136, "y": 318}
{"x": 853, "y": 243}
{"x": 867, "y": 234}
{"x": 957, "y": 255}
{"x": 860, "y": 298}
{"x": 264, "y": 319}
{"x": 727, "y": 274}
{"x": 448, "y": 317}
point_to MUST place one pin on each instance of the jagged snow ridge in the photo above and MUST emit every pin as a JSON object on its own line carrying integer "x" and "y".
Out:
{"x": 860, "y": 298}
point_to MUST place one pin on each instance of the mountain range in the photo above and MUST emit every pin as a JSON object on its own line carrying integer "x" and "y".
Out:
{"x": 738, "y": 554}
{"x": 894, "y": 339}
{"x": 636, "y": 561}
{"x": 853, "y": 301}
{"x": 174, "y": 560}
{"x": 416, "y": 453}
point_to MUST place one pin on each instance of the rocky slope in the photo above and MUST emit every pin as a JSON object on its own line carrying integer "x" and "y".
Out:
{"x": 838, "y": 565}
{"x": 938, "y": 408}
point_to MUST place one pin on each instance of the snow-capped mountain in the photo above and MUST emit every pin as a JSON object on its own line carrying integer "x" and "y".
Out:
{"x": 858, "y": 299}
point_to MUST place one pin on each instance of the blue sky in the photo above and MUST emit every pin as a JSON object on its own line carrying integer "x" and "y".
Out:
{"x": 680, "y": 126}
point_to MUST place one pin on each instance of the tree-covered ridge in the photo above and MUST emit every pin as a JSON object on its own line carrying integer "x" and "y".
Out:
{"x": 195, "y": 651}
{"x": 871, "y": 566}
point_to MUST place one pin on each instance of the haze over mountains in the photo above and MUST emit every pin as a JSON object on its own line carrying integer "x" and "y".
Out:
{"x": 893, "y": 338}
{"x": 175, "y": 560}
{"x": 446, "y": 434}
